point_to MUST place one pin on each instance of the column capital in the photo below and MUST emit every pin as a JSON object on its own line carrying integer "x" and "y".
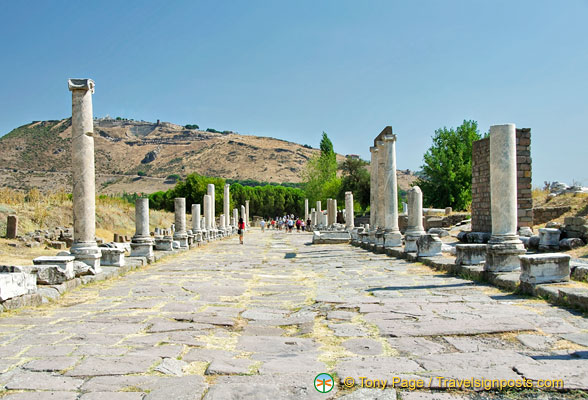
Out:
{"x": 389, "y": 138}
{"x": 373, "y": 149}
{"x": 80, "y": 84}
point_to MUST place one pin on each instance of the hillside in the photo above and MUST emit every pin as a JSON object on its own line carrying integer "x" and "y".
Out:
{"x": 38, "y": 155}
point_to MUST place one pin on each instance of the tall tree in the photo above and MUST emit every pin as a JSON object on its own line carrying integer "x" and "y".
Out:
{"x": 355, "y": 179}
{"x": 320, "y": 176}
{"x": 446, "y": 177}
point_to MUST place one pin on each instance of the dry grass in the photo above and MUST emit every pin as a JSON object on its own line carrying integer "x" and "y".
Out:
{"x": 36, "y": 210}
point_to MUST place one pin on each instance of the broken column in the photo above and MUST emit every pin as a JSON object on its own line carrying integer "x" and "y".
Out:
{"x": 330, "y": 213}
{"x": 504, "y": 246}
{"x": 212, "y": 222}
{"x": 142, "y": 243}
{"x": 246, "y": 219}
{"x": 414, "y": 228}
{"x": 84, "y": 247}
{"x": 11, "y": 227}
{"x": 235, "y": 218}
{"x": 305, "y": 210}
{"x": 392, "y": 235}
{"x": 349, "y": 215}
{"x": 226, "y": 206}
{"x": 180, "y": 233}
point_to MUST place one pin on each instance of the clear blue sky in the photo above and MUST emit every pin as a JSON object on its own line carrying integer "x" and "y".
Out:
{"x": 293, "y": 69}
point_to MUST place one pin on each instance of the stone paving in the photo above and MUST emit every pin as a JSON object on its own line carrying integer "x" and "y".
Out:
{"x": 261, "y": 320}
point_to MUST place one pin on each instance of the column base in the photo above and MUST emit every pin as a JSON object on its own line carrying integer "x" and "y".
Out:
{"x": 89, "y": 253}
{"x": 142, "y": 249}
{"x": 392, "y": 239}
{"x": 164, "y": 243}
{"x": 182, "y": 238}
{"x": 502, "y": 253}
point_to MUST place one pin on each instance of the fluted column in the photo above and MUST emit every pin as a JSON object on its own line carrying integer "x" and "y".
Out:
{"x": 84, "y": 246}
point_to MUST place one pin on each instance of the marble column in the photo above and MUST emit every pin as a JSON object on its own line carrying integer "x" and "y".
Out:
{"x": 504, "y": 245}
{"x": 207, "y": 215}
{"x": 392, "y": 235}
{"x": 382, "y": 192}
{"x": 246, "y": 219}
{"x": 212, "y": 205}
{"x": 414, "y": 228}
{"x": 142, "y": 243}
{"x": 84, "y": 247}
{"x": 235, "y": 218}
{"x": 222, "y": 223}
{"x": 373, "y": 187}
{"x": 180, "y": 233}
{"x": 349, "y": 215}
{"x": 226, "y": 205}
{"x": 329, "y": 212}
{"x": 196, "y": 222}
{"x": 312, "y": 216}
{"x": 305, "y": 210}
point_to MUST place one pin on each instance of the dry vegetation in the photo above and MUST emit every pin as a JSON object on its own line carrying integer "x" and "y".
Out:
{"x": 36, "y": 210}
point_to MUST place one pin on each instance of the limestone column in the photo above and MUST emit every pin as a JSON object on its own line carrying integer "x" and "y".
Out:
{"x": 504, "y": 246}
{"x": 84, "y": 246}
{"x": 373, "y": 187}
{"x": 244, "y": 214}
{"x": 305, "y": 210}
{"x": 222, "y": 222}
{"x": 349, "y": 215}
{"x": 226, "y": 205}
{"x": 392, "y": 236}
{"x": 212, "y": 205}
{"x": 382, "y": 192}
{"x": 142, "y": 243}
{"x": 312, "y": 216}
{"x": 414, "y": 228}
{"x": 180, "y": 233}
{"x": 235, "y": 217}
{"x": 329, "y": 212}
{"x": 246, "y": 219}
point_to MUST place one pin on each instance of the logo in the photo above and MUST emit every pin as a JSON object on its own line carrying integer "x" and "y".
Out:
{"x": 324, "y": 383}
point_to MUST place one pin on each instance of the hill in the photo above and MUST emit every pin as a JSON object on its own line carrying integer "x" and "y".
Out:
{"x": 38, "y": 155}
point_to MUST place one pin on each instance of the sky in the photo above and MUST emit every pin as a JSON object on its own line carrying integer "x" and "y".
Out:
{"x": 292, "y": 70}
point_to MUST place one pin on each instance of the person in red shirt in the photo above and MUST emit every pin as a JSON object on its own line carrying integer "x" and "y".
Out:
{"x": 241, "y": 229}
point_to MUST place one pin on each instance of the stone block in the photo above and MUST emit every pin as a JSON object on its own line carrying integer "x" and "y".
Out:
{"x": 470, "y": 254}
{"x": 47, "y": 274}
{"x": 164, "y": 243}
{"x": 549, "y": 239}
{"x": 13, "y": 284}
{"x": 142, "y": 250}
{"x": 12, "y": 227}
{"x": 56, "y": 244}
{"x": 429, "y": 245}
{"x": 112, "y": 256}
{"x": 433, "y": 222}
{"x": 545, "y": 268}
{"x": 330, "y": 237}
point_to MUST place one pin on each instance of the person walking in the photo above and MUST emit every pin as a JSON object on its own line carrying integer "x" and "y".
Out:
{"x": 262, "y": 224}
{"x": 241, "y": 230}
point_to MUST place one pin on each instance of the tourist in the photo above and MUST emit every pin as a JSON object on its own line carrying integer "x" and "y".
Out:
{"x": 309, "y": 225}
{"x": 298, "y": 225}
{"x": 262, "y": 224}
{"x": 290, "y": 225}
{"x": 241, "y": 229}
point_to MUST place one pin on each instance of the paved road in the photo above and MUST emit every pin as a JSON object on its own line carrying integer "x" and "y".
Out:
{"x": 261, "y": 320}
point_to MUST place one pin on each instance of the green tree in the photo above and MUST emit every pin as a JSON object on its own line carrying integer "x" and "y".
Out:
{"x": 320, "y": 176}
{"x": 446, "y": 178}
{"x": 355, "y": 179}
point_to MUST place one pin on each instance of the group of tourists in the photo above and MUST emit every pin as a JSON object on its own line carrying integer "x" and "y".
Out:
{"x": 286, "y": 223}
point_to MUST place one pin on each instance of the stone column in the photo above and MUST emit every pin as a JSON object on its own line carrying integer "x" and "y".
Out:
{"x": 12, "y": 227}
{"x": 196, "y": 219}
{"x": 392, "y": 236}
{"x": 84, "y": 246}
{"x": 329, "y": 212}
{"x": 212, "y": 205}
{"x": 222, "y": 223}
{"x": 313, "y": 216}
{"x": 142, "y": 243}
{"x": 180, "y": 233}
{"x": 305, "y": 210}
{"x": 207, "y": 212}
{"x": 226, "y": 205}
{"x": 246, "y": 219}
{"x": 414, "y": 228}
{"x": 373, "y": 187}
{"x": 382, "y": 191}
{"x": 349, "y": 215}
{"x": 235, "y": 217}
{"x": 244, "y": 214}
{"x": 504, "y": 246}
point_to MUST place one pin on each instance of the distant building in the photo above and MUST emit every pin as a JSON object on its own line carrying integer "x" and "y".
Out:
{"x": 352, "y": 156}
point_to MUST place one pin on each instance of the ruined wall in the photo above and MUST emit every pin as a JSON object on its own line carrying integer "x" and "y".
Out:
{"x": 481, "y": 218}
